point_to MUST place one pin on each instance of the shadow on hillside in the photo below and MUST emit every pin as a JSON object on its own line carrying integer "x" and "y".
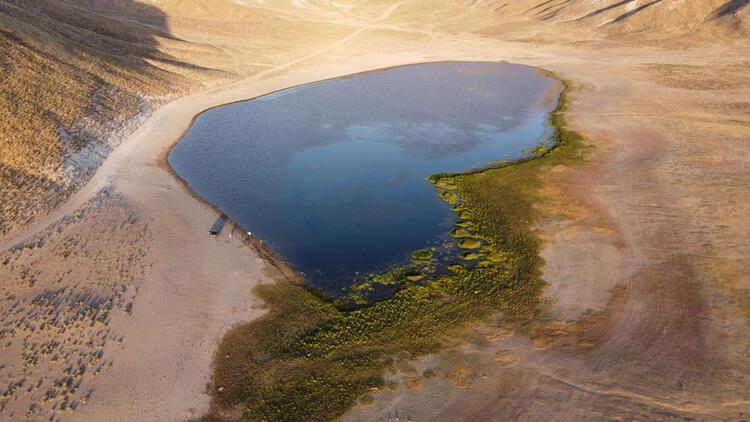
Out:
{"x": 124, "y": 32}
{"x": 730, "y": 8}
{"x": 73, "y": 76}
{"x": 634, "y": 11}
{"x": 605, "y": 9}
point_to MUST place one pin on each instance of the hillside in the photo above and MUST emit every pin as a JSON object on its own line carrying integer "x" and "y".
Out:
{"x": 73, "y": 80}
{"x": 79, "y": 75}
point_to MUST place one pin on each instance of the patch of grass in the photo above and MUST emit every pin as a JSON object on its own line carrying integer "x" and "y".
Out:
{"x": 469, "y": 244}
{"x": 460, "y": 232}
{"x": 470, "y": 256}
{"x": 308, "y": 359}
{"x": 465, "y": 215}
{"x": 422, "y": 254}
{"x": 456, "y": 268}
{"x": 414, "y": 277}
{"x": 449, "y": 197}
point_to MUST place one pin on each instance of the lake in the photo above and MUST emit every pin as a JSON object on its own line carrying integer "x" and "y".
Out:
{"x": 332, "y": 175}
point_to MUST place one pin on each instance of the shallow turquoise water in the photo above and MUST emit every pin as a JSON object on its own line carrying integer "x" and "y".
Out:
{"x": 332, "y": 174}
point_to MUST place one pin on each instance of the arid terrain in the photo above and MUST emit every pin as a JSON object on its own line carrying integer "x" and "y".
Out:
{"x": 114, "y": 297}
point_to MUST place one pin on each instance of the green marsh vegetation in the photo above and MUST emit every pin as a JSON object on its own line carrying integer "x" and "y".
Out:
{"x": 313, "y": 359}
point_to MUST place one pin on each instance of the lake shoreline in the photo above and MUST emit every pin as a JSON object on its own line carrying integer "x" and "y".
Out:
{"x": 138, "y": 170}
{"x": 522, "y": 124}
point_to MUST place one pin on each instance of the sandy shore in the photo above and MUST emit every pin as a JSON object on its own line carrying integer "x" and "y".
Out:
{"x": 645, "y": 255}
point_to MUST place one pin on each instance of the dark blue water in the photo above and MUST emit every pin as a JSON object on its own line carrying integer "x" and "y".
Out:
{"x": 332, "y": 174}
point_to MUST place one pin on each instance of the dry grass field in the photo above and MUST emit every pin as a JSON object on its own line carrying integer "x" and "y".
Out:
{"x": 113, "y": 299}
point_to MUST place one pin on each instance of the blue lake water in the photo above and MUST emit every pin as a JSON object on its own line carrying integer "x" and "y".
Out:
{"x": 333, "y": 174}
